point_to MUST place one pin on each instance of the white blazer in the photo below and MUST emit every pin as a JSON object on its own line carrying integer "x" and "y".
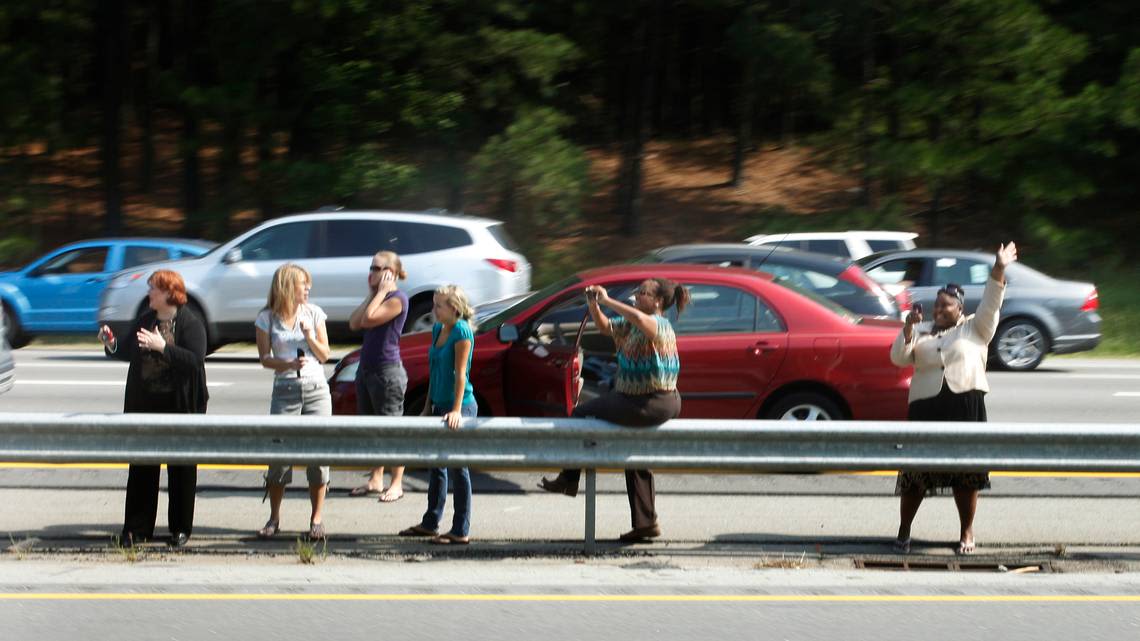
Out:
{"x": 957, "y": 355}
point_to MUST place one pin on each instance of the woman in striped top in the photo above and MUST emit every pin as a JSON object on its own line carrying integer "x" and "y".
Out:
{"x": 645, "y": 387}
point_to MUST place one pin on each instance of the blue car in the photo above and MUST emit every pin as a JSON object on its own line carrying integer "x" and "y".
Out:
{"x": 58, "y": 293}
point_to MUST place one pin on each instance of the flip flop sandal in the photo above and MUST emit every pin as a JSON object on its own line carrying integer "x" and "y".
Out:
{"x": 317, "y": 531}
{"x": 386, "y": 496}
{"x": 417, "y": 530}
{"x": 270, "y": 530}
{"x": 363, "y": 490}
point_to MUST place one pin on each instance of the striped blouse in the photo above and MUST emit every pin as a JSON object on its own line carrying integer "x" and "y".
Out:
{"x": 645, "y": 365}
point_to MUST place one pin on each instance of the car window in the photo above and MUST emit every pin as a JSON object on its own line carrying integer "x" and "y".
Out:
{"x": 499, "y": 233}
{"x": 290, "y": 241}
{"x": 901, "y": 271}
{"x": 960, "y": 271}
{"x": 790, "y": 244}
{"x": 885, "y": 245}
{"x": 417, "y": 238}
{"x": 834, "y": 247}
{"x": 818, "y": 282}
{"x": 820, "y": 300}
{"x": 558, "y": 324}
{"x": 720, "y": 309}
{"x": 345, "y": 238}
{"x": 493, "y": 322}
{"x": 88, "y": 260}
{"x": 135, "y": 255}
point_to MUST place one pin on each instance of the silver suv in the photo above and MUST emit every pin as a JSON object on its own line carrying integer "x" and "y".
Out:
{"x": 228, "y": 286}
{"x": 7, "y": 365}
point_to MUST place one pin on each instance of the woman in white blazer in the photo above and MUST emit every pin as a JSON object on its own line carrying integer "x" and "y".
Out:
{"x": 949, "y": 384}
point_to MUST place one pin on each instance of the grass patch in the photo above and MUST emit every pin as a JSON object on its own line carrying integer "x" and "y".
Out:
{"x": 309, "y": 552}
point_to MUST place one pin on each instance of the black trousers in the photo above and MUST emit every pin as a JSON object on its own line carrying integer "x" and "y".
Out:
{"x": 142, "y": 489}
{"x": 646, "y": 410}
{"x": 142, "y": 499}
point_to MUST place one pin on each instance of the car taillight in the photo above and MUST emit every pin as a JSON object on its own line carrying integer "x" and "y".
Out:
{"x": 902, "y": 299}
{"x": 1092, "y": 302}
{"x": 504, "y": 264}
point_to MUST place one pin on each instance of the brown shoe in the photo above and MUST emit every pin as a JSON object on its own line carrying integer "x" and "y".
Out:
{"x": 641, "y": 534}
{"x": 559, "y": 486}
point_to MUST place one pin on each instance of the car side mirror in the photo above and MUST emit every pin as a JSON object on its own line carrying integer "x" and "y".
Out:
{"x": 232, "y": 256}
{"x": 508, "y": 333}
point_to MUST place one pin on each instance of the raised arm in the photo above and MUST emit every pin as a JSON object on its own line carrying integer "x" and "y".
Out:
{"x": 988, "y": 315}
{"x": 639, "y": 319}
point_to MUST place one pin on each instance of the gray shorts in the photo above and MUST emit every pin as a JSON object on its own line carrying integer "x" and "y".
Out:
{"x": 380, "y": 392}
{"x": 300, "y": 396}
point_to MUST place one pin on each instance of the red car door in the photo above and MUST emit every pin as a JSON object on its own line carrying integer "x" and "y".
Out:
{"x": 543, "y": 367}
{"x": 731, "y": 346}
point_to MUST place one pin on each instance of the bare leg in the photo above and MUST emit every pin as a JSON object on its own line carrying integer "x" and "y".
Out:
{"x": 276, "y": 494}
{"x": 966, "y": 500}
{"x": 908, "y": 508}
{"x": 395, "y": 491}
{"x": 317, "y": 499}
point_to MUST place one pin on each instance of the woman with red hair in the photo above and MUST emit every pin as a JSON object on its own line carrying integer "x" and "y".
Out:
{"x": 167, "y": 352}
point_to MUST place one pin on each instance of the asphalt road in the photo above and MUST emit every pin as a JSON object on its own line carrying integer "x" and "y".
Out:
{"x": 1063, "y": 390}
{"x": 553, "y": 601}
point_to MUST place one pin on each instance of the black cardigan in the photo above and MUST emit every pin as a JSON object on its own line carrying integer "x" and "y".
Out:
{"x": 187, "y": 357}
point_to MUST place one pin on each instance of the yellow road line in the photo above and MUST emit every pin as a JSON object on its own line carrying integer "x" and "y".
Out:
{"x": 555, "y": 598}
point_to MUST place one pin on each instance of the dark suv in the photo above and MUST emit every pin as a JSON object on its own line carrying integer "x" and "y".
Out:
{"x": 839, "y": 280}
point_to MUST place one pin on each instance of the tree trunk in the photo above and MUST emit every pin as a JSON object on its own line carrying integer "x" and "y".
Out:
{"x": 866, "y": 137}
{"x": 640, "y": 82}
{"x": 745, "y": 114}
{"x": 111, "y": 20}
{"x": 193, "y": 19}
{"x": 144, "y": 95}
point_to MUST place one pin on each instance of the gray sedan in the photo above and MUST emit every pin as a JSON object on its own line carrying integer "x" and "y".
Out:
{"x": 1041, "y": 314}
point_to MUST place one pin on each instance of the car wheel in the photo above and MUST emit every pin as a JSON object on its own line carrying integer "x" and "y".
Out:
{"x": 419, "y": 318}
{"x": 1020, "y": 345}
{"x": 15, "y": 336}
{"x": 805, "y": 406}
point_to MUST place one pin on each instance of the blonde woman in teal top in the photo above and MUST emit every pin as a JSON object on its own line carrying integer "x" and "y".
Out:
{"x": 450, "y": 396}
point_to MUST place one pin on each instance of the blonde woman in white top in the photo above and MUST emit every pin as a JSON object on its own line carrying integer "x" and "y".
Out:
{"x": 293, "y": 342}
{"x": 949, "y": 384}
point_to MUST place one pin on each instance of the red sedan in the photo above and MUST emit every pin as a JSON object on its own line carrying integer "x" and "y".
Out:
{"x": 749, "y": 347}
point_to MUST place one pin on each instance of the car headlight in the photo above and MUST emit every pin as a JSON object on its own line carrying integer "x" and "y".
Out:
{"x": 120, "y": 282}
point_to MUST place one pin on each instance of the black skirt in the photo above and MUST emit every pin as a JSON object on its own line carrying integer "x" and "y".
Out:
{"x": 947, "y": 406}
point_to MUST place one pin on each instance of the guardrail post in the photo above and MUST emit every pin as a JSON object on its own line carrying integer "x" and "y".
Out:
{"x": 588, "y": 545}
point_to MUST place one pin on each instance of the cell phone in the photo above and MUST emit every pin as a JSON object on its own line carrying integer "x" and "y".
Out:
{"x": 591, "y": 295}
{"x": 916, "y": 308}
{"x": 300, "y": 353}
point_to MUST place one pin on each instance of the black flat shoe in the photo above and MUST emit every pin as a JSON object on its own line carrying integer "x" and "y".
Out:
{"x": 641, "y": 534}
{"x": 131, "y": 539}
{"x": 179, "y": 539}
{"x": 558, "y": 486}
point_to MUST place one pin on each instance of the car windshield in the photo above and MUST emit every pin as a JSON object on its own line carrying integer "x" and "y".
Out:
{"x": 807, "y": 293}
{"x": 494, "y": 321}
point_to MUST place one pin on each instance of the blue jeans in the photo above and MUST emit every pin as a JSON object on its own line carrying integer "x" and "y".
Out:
{"x": 437, "y": 488}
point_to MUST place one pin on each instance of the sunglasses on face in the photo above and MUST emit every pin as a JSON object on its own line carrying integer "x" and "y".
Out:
{"x": 374, "y": 268}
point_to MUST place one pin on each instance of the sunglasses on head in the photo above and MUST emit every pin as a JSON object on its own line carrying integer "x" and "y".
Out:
{"x": 953, "y": 290}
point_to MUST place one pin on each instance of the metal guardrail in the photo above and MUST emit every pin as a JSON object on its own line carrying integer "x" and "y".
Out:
{"x": 742, "y": 445}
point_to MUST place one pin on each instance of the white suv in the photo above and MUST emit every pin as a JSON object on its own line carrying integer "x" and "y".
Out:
{"x": 229, "y": 285}
{"x": 848, "y": 244}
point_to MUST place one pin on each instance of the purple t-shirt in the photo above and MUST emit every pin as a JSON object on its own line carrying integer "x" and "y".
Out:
{"x": 382, "y": 343}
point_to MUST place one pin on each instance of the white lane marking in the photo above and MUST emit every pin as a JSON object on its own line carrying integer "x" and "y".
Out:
{"x": 1090, "y": 365}
{"x": 1128, "y": 394}
{"x": 1107, "y": 377}
{"x": 24, "y": 381}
